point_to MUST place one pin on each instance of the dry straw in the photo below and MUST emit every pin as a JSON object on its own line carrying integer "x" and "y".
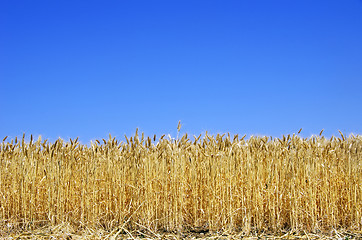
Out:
{"x": 205, "y": 183}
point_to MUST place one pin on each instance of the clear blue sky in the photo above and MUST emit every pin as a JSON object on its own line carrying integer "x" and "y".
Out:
{"x": 89, "y": 68}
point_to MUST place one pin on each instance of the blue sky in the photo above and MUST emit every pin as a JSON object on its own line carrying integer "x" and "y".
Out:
{"x": 256, "y": 67}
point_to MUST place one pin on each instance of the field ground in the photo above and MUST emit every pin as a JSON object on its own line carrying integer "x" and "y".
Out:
{"x": 66, "y": 232}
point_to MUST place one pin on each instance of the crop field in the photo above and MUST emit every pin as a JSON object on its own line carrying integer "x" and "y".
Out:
{"x": 188, "y": 186}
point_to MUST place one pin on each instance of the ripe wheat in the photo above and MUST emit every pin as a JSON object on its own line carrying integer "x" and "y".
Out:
{"x": 214, "y": 182}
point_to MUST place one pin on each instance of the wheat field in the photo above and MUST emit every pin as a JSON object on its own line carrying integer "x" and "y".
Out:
{"x": 206, "y": 183}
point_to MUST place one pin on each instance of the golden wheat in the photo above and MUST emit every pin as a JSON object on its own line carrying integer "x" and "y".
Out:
{"x": 215, "y": 183}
